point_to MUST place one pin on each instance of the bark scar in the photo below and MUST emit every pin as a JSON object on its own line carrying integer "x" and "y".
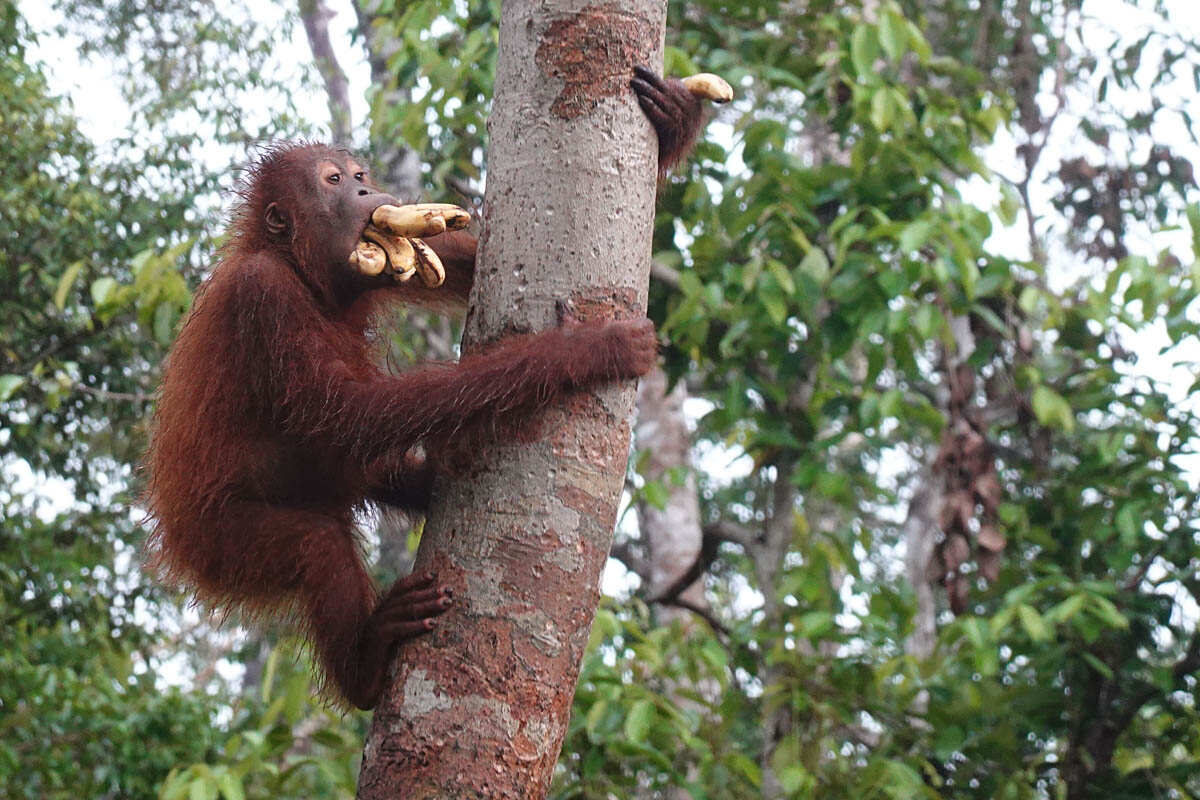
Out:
{"x": 593, "y": 53}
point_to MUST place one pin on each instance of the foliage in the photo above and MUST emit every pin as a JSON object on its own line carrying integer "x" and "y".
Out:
{"x": 78, "y": 713}
{"x": 95, "y": 274}
{"x": 78, "y": 704}
{"x": 202, "y": 88}
{"x": 628, "y": 730}
{"x": 819, "y": 296}
{"x": 442, "y": 70}
{"x": 281, "y": 744}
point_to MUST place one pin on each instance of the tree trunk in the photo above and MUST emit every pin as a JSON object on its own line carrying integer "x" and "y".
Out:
{"x": 672, "y": 533}
{"x": 921, "y": 533}
{"x": 480, "y": 707}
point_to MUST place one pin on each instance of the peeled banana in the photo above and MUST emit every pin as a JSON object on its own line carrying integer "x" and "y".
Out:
{"x": 429, "y": 266}
{"x": 368, "y": 258}
{"x": 709, "y": 87}
{"x": 401, "y": 258}
{"x": 421, "y": 219}
{"x": 390, "y": 242}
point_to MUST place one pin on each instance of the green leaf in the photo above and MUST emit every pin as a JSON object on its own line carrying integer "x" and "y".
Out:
{"x": 1104, "y": 610}
{"x": 138, "y": 264}
{"x": 1064, "y": 611}
{"x": 815, "y": 624}
{"x": 1193, "y": 216}
{"x": 815, "y": 264}
{"x": 656, "y": 494}
{"x": 102, "y": 290}
{"x": 1032, "y": 622}
{"x": 751, "y": 271}
{"x": 969, "y": 275}
{"x": 165, "y": 315}
{"x": 1028, "y": 299}
{"x": 202, "y": 788}
{"x": 9, "y": 384}
{"x": 1010, "y": 205}
{"x": 1128, "y": 524}
{"x": 928, "y": 320}
{"x": 781, "y": 275}
{"x": 916, "y": 40}
{"x": 174, "y": 787}
{"x": 948, "y": 741}
{"x": 891, "y": 403}
{"x": 796, "y": 780}
{"x": 1097, "y": 665}
{"x": 740, "y": 764}
{"x": 883, "y": 110}
{"x": 893, "y": 34}
{"x": 606, "y": 623}
{"x": 1052, "y": 410}
{"x": 638, "y": 720}
{"x": 231, "y": 786}
{"x": 903, "y": 782}
{"x": 714, "y": 655}
{"x": 65, "y": 283}
{"x": 864, "y": 49}
{"x": 595, "y": 718}
{"x": 978, "y": 632}
{"x": 776, "y": 308}
{"x": 268, "y": 674}
{"x": 915, "y": 234}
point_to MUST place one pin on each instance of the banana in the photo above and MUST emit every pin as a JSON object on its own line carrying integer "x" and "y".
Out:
{"x": 368, "y": 258}
{"x": 707, "y": 86}
{"x": 402, "y": 259}
{"x": 429, "y": 266}
{"x": 421, "y": 219}
{"x": 389, "y": 242}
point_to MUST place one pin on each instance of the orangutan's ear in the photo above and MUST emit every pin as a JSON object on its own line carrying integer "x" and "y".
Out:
{"x": 275, "y": 220}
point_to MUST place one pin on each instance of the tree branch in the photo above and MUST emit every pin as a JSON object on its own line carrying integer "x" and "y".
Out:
{"x": 704, "y": 614}
{"x": 713, "y": 535}
{"x": 733, "y": 532}
{"x": 104, "y": 394}
{"x": 661, "y": 272}
{"x": 635, "y": 562}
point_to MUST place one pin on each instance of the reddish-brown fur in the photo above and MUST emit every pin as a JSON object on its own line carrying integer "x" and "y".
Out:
{"x": 676, "y": 114}
{"x": 275, "y": 424}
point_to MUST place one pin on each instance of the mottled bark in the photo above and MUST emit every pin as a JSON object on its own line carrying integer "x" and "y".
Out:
{"x": 921, "y": 534}
{"x": 923, "y": 525}
{"x": 315, "y": 15}
{"x": 768, "y": 558}
{"x": 479, "y": 708}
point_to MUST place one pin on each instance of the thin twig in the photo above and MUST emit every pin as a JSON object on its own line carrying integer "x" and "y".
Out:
{"x": 105, "y": 394}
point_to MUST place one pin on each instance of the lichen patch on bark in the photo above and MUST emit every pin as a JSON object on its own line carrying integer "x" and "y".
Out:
{"x": 593, "y": 52}
{"x": 421, "y": 695}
